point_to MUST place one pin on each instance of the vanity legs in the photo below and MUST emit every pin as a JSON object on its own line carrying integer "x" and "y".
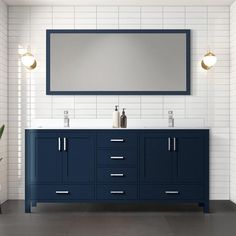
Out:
{"x": 27, "y": 206}
{"x": 200, "y": 204}
{"x": 205, "y": 206}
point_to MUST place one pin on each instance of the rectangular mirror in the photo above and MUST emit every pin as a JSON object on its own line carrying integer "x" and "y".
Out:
{"x": 100, "y": 62}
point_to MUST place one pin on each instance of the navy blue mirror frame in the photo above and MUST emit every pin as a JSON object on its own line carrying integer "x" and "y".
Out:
{"x": 187, "y": 32}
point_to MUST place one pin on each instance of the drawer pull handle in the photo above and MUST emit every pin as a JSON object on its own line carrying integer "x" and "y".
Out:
{"x": 64, "y": 144}
{"x": 117, "y": 192}
{"x": 117, "y": 158}
{"x": 117, "y": 140}
{"x": 169, "y": 145}
{"x": 59, "y": 144}
{"x": 117, "y": 175}
{"x": 62, "y": 192}
{"x": 174, "y": 144}
{"x": 171, "y": 192}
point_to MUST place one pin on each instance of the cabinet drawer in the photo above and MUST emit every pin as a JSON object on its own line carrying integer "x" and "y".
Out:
{"x": 116, "y": 175}
{"x": 171, "y": 192}
{"x": 62, "y": 192}
{"x": 116, "y": 139}
{"x": 116, "y": 192}
{"x": 117, "y": 157}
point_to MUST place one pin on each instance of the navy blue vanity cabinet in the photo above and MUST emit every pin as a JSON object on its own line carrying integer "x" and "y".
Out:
{"x": 79, "y": 149}
{"x": 46, "y": 158}
{"x": 174, "y": 166}
{"x": 189, "y": 156}
{"x": 156, "y": 159}
{"x": 117, "y": 165}
{"x": 59, "y": 166}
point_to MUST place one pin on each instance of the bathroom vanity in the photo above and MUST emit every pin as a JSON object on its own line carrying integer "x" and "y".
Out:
{"x": 117, "y": 165}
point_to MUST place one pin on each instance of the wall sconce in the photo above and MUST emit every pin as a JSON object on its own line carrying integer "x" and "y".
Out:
{"x": 208, "y": 61}
{"x": 29, "y": 61}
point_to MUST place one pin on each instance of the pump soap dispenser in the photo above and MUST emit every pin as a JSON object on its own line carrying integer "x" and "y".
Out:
{"x": 116, "y": 118}
{"x": 123, "y": 119}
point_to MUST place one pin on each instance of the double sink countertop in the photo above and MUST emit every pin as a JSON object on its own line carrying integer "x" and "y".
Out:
{"x": 106, "y": 124}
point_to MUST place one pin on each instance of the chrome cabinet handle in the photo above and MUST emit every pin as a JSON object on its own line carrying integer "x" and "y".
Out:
{"x": 62, "y": 192}
{"x": 118, "y": 158}
{"x": 117, "y": 175}
{"x": 174, "y": 144}
{"x": 64, "y": 144}
{"x": 171, "y": 192}
{"x": 117, "y": 192}
{"x": 169, "y": 144}
{"x": 117, "y": 140}
{"x": 59, "y": 144}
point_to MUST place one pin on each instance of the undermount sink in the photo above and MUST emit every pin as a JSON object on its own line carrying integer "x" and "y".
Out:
{"x": 107, "y": 124}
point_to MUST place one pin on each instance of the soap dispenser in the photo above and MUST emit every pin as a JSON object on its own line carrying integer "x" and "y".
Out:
{"x": 116, "y": 118}
{"x": 123, "y": 119}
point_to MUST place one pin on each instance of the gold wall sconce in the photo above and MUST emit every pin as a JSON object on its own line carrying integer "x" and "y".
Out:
{"x": 208, "y": 61}
{"x": 28, "y": 60}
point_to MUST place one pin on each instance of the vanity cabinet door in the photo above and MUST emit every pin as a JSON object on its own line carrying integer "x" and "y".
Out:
{"x": 190, "y": 155}
{"x": 156, "y": 160}
{"x": 78, "y": 157}
{"x": 46, "y": 159}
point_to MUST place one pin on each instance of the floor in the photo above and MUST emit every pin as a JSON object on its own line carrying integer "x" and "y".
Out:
{"x": 118, "y": 220}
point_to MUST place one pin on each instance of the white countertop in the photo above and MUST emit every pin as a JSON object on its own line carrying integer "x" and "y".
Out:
{"x": 109, "y": 128}
{"x": 133, "y": 124}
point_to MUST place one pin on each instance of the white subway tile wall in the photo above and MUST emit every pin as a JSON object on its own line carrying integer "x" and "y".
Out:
{"x": 3, "y": 100}
{"x": 233, "y": 102}
{"x": 209, "y": 98}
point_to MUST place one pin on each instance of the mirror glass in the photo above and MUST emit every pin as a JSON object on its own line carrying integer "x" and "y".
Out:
{"x": 118, "y": 62}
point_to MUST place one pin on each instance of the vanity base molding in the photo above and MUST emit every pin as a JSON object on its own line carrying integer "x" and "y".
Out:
{"x": 117, "y": 166}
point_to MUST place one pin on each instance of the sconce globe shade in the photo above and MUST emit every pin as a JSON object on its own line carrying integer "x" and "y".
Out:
{"x": 28, "y": 60}
{"x": 209, "y": 59}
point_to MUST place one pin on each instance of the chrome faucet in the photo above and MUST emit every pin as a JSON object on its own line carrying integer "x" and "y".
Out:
{"x": 66, "y": 119}
{"x": 171, "y": 119}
